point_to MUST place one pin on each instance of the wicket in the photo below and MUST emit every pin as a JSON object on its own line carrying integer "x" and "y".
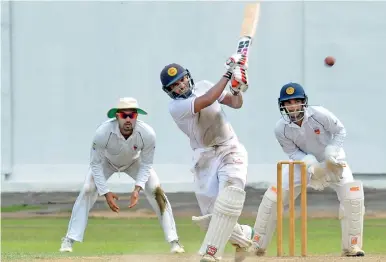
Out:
{"x": 291, "y": 200}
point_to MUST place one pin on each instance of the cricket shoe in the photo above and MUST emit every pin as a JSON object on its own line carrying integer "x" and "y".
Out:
{"x": 208, "y": 258}
{"x": 66, "y": 245}
{"x": 242, "y": 252}
{"x": 353, "y": 251}
{"x": 260, "y": 252}
{"x": 176, "y": 248}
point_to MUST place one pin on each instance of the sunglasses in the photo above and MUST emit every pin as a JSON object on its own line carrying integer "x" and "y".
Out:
{"x": 124, "y": 115}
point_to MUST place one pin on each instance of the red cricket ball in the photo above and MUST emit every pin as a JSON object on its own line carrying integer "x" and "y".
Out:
{"x": 329, "y": 61}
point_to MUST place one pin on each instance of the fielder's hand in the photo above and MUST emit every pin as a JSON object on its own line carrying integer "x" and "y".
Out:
{"x": 239, "y": 81}
{"x": 111, "y": 202}
{"x": 134, "y": 199}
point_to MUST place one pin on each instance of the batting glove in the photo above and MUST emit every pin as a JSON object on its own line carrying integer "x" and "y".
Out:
{"x": 239, "y": 81}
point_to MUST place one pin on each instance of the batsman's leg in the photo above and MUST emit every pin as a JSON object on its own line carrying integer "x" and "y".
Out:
{"x": 266, "y": 219}
{"x": 232, "y": 171}
{"x": 80, "y": 212}
{"x": 241, "y": 236}
{"x": 161, "y": 206}
{"x": 227, "y": 209}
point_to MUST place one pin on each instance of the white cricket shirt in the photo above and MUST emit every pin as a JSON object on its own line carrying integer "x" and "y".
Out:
{"x": 110, "y": 145}
{"x": 207, "y": 128}
{"x": 320, "y": 128}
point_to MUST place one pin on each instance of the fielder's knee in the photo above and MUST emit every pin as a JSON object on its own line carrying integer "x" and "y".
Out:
{"x": 89, "y": 187}
{"x": 160, "y": 198}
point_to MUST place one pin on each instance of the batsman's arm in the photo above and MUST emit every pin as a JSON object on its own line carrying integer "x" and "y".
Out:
{"x": 235, "y": 62}
{"x": 233, "y": 101}
{"x": 96, "y": 164}
{"x": 210, "y": 96}
{"x": 147, "y": 159}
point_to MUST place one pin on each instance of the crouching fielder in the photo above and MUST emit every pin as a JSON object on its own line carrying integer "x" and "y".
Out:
{"x": 122, "y": 144}
{"x": 314, "y": 135}
{"x": 219, "y": 159}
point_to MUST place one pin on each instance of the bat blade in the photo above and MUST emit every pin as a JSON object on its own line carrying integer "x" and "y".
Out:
{"x": 248, "y": 27}
{"x": 250, "y": 19}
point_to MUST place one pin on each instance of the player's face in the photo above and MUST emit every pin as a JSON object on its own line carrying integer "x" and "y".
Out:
{"x": 127, "y": 119}
{"x": 294, "y": 109}
{"x": 181, "y": 86}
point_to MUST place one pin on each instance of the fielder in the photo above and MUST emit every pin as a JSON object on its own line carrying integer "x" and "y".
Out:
{"x": 219, "y": 160}
{"x": 122, "y": 144}
{"x": 314, "y": 135}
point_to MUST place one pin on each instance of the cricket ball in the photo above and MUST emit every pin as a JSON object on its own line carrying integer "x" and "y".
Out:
{"x": 329, "y": 61}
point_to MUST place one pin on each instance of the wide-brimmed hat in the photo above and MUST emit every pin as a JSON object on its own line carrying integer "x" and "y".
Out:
{"x": 126, "y": 103}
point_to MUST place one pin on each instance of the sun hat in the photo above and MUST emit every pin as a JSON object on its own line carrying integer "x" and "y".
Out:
{"x": 126, "y": 103}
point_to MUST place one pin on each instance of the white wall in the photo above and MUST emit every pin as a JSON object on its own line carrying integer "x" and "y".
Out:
{"x": 71, "y": 61}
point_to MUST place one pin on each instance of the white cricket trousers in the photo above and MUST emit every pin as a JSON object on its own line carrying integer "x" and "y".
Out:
{"x": 217, "y": 169}
{"x": 88, "y": 196}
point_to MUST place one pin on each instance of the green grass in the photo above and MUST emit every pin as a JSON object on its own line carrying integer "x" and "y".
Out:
{"x": 17, "y": 208}
{"x": 40, "y": 237}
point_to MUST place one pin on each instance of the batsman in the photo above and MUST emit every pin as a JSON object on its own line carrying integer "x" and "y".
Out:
{"x": 314, "y": 135}
{"x": 220, "y": 161}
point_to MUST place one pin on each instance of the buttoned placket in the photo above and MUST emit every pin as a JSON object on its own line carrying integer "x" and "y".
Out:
{"x": 126, "y": 141}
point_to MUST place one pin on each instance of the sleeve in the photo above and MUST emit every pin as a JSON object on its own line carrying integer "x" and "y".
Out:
{"x": 180, "y": 109}
{"x": 288, "y": 145}
{"x": 147, "y": 158}
{"x": 333, "y": 125}
{"x": 96, "y": 164}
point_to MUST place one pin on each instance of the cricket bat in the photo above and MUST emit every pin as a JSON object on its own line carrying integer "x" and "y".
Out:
{"x": 248, "y": 27}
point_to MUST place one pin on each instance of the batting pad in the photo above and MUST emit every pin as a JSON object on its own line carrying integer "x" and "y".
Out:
{"x": 351, "y": 213}
{"x": 238, "y": 236}
{"x": 266, "y": 218}
{"x": 227, "y": 210}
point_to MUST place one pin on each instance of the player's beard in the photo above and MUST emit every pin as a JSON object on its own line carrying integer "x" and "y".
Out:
{"x": 127, "y": 129}
{"x": 296, "y": 115}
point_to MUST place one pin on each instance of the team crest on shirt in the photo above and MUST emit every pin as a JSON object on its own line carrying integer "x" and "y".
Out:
{"x": 135, "y": 147}
{"x": 237, "y": 161}
{"x": 317, "y": 131}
